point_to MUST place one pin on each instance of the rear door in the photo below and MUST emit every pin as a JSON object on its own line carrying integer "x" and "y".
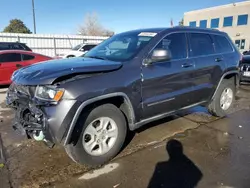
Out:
{"x": 9, "y": 62}
{"x": 209, "y": 65}
{"x": 167, "y": 85}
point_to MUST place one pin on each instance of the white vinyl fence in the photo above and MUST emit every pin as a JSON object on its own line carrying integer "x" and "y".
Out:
{"x": 49, "y": 44}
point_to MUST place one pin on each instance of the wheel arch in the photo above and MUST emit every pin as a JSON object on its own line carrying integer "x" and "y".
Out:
{"x": 119, "y": 99}
{"x": 228, "y": 75}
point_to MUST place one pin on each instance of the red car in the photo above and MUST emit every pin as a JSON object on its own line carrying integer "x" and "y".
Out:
{"x": 11, "y": 60}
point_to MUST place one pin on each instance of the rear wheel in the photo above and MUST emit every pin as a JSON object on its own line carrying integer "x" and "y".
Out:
{"x": 102, "y": 137}
{"x": 223, "y": 100}
{"x": 70, "y": 56}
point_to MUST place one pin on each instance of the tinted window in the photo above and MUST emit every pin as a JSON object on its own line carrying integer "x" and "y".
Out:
{"x": 27, "y": 57}
{"x": 242, "y": 19}
{"x": 4, "y": 46}
{"x": 88, "y": 47}
{"x": 10, "y": 57}
{"x": 222, "y": 44}
{"x": 16, "y": 47}
{"x": 201, "y": 44}
{"x": 192, "y": 24}
{"x": 203, "y": 23}
{"x": 228, "y": 21}
{"x": 215, "y": 23}
{"x": 177, "y": 45}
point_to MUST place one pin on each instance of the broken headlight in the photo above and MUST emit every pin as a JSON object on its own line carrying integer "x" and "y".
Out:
{"x": 49, "y": 93}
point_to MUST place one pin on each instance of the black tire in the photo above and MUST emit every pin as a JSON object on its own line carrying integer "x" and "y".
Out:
{"x": 77, "y": 152}
{"x": 70, "y": 56}
{"x": 214, "y": 107}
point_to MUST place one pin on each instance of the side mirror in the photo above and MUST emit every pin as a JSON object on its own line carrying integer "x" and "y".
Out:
{"x": 159, "y": 55}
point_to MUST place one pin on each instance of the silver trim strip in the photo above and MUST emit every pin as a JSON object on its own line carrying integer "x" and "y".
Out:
{"x": 160, "y": 116}
{"x": 159, "y": 102}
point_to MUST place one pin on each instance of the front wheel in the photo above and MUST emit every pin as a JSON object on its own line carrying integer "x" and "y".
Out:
{"x": 102, "y": 137}
{"x": 223, "y": 100}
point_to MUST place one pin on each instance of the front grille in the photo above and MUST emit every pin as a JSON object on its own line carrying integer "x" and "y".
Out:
{"x": 245, "y": 67}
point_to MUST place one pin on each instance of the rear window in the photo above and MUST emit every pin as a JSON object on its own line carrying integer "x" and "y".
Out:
{"x": 201, "y": 44}
{"x": 222, "y": 44}
{"x": 27, "y": 57}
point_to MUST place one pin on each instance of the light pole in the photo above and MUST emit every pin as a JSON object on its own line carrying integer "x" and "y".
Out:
{"x": 34, "y": 17}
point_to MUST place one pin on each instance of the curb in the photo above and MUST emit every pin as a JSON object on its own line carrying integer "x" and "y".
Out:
{"x": 2, "y": 157}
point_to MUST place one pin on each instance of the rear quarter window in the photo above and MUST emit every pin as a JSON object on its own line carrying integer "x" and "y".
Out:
{"x": 27, "y": 57}
{"x": 222, "y": 44}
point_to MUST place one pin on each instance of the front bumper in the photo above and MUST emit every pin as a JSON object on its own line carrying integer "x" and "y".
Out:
{"x": 33, "y": 115}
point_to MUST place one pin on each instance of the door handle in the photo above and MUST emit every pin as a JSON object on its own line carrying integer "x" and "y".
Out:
{"x": 218, "y": 59}
{"x": 18, "y": 65}
{"x": 186, "y": 65}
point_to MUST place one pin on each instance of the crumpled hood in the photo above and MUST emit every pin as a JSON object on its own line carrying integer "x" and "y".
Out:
{"x": 48, "y": 71}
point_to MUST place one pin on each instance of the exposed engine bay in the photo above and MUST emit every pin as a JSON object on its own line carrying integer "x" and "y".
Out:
{"x": 29, "y": 118}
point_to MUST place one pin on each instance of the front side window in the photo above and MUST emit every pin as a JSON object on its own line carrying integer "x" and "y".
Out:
{"x": 192, "y": 24}
{"x": 10, "y": 57}
{"x": 215, "y": 23}
{"x": 121, "y": 47}
{"x": 201, "y": 44}
{"x": 222, "y": 44}
{"x": 228, "y": 21}
{"x": 242, "y": 19}
{"x": 87, "y": 47}
{"x": 203, "y": 24}
{"x": 176, "y": 44}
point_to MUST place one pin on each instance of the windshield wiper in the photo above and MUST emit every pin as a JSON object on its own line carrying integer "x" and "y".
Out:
{"x": 96, "y": 57}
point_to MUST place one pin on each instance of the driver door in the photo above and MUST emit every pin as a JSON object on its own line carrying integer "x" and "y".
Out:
{"x": 167, "y": 85}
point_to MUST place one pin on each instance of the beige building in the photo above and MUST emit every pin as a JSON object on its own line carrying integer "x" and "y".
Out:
{"x": 232, "y": 19}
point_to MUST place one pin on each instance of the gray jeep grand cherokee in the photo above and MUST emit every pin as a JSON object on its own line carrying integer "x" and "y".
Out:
{"x": 88, "y": 104}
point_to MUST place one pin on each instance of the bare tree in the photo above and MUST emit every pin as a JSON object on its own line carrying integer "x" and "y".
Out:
{"x": 92, "y": 27}
{"x": 181, "y": 23}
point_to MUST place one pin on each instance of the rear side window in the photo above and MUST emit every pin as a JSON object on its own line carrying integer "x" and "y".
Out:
{"x": 176, "y": 43}
{"x": 10, "y": 57}
{"x": 27, "y": 57}
{"x": 201, "y": 44}
{"x": 222, "y": 44}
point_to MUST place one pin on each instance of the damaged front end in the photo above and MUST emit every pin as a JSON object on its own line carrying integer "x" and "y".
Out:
{"x": 29, "y": 119}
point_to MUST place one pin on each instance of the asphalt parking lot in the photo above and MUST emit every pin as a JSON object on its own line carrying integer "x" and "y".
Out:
{"x": 216, "y": 153}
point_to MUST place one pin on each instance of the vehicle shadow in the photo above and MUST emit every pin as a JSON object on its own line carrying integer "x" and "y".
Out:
{"x": 178, "y": 172}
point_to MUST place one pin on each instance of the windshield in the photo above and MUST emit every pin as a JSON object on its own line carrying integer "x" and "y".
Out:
{"x": 121, "y": 47}
{"x": 77, "y": 47}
